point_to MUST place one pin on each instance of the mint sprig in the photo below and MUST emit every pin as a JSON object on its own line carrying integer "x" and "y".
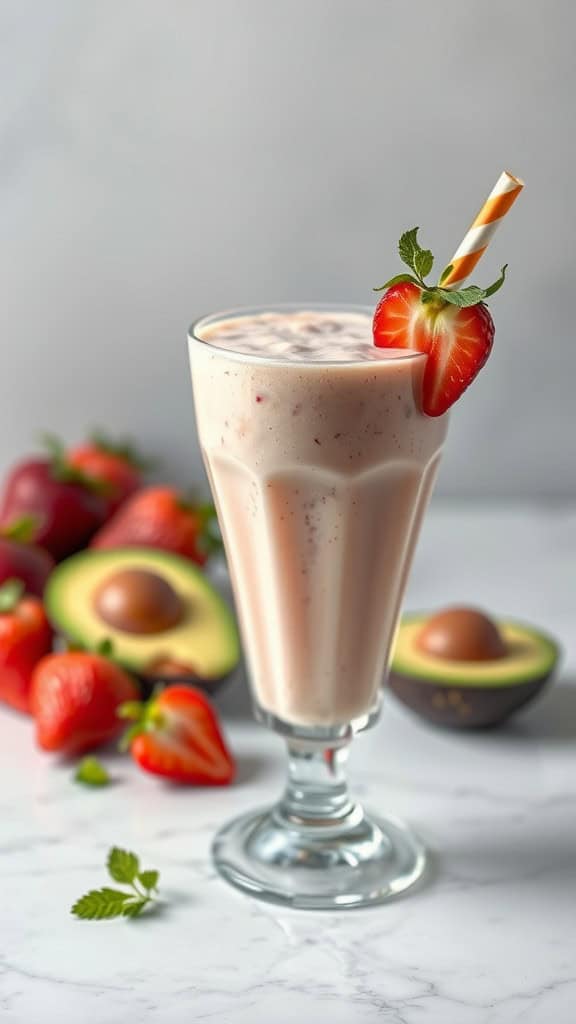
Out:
{"x": 420, "y": 261}
{"x": 105, "y": 903}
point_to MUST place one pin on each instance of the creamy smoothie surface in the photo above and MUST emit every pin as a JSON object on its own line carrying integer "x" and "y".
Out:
{"x": 301, "y": 337}
{"x": 321, "y": 463}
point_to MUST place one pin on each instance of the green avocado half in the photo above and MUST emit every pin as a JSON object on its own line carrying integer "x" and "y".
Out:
{"x": 205, "y": 637}
{"x": 471, "y": 694}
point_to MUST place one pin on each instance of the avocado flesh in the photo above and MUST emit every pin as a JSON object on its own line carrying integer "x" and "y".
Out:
{"x": 532, "y": 656}
{"x": 205, "y": 638}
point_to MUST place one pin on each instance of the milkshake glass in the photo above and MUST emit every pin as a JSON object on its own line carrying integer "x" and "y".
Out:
{"x": 321, "y": 464}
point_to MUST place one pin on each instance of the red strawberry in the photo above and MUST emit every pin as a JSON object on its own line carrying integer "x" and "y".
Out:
{"x": 118, "y": 466}
{"x": 452, "y": 326}
{"x": 64, "y": 503}
{"x": 25, "y": 637}
{"x": 177, "y": 735}
{"x": 75, "y": 697}
{"x": 457, "y": 341}
{"x": 159, "y": 517}
{"x": 22, "y": 560}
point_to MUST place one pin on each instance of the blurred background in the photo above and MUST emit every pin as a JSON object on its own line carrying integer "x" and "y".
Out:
{"x": 161, "y": 160}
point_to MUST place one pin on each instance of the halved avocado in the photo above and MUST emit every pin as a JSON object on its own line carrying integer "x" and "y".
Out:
{"x": 471, "y": 694}
{"x": 156, "y": 608}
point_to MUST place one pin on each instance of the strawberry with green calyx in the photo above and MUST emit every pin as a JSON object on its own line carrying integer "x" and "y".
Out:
{"x": 453, "y": 327}
{"x": 25, "y": 638}
{"x": 66, "y": 505}
{"x": 162, "y": 517}
{"x": 176, "y": 734}
{"x": 22, "y": 559}
{"x": 118, "y": 465}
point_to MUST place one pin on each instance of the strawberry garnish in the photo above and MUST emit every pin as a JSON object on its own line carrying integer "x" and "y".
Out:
{"x": 176, "y": 734}
{"x": 452, "y": 327}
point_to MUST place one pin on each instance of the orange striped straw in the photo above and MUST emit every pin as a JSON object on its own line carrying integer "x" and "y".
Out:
{"x": 480, "y": 232}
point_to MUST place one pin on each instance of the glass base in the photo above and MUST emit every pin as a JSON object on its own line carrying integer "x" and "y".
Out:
{"x": 358, "y": 861}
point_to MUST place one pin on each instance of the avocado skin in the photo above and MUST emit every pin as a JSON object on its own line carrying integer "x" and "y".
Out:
{"x": 470, "y": 707}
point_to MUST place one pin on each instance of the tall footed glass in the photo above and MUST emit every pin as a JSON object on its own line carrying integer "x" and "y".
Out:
{"x": 321, "y": 464}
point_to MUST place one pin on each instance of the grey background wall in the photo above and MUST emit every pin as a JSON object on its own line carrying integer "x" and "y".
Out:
{"x": 161, "y": 158}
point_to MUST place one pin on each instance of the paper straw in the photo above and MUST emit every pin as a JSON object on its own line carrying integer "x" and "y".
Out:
{"x": 482, "y": 229}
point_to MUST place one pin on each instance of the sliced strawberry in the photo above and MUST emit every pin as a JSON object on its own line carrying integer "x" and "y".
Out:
{"x": 461, "y": 345}
{"x": 75, "y": 697}
{"x": 177, "y": 735}
{"x": 456, "y": 341}
{"x": 400, "y": 321}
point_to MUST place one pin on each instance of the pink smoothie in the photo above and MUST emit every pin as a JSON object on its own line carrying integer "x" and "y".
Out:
{"x": 321, "y": 465}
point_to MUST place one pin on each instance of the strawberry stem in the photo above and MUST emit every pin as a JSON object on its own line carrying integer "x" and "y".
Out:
{"x": 124, "y": 449}
{"x": 21, "y": 530}
{"x": 65, "y": 473}
{"x": 11, "y": 592}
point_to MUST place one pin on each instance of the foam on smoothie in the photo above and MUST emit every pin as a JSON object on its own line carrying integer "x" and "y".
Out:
{"x": 300, "y": 337}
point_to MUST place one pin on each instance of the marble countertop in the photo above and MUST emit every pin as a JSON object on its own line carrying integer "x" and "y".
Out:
{"x": 489, "y": 939}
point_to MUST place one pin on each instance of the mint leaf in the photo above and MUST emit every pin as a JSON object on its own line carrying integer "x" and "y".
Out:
{"x": 463, "y": 297}
{"x": 447, "y": 270}
{"x": 122, "y": 865}
{"x": 135, "y": 907}
{"x": 10, "y": 593}
{"x": 91, "y": 772}
{"x": 149, "y": 879}
{"x": 408, "y": 247}
{"x": 423, "y": 262}
{"x": 397, "y": 279}
{"x": 497, "y": 284}
{"x": 100, "y": 904}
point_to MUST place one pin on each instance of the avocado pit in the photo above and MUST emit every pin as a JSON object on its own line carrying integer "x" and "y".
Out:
{"x": 461, "y": 634}
{"x": 138, "y": 601}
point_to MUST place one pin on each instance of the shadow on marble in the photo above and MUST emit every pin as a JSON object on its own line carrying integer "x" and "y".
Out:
{"x": 545, "y": 864}
{"x": 551, "y": 719}
{"x": 250, "y": 767}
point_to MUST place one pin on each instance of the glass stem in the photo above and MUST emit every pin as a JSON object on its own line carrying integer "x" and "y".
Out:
{"x": 316, "y": 794}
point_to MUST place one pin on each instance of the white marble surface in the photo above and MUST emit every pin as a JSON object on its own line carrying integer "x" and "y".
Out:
{"x": 489, "y": 939}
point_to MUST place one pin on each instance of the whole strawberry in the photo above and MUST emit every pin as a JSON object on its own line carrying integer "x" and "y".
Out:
{"x": 117, "y": 466}
{"x": 452, "y": 327}
{"x": 74, "y": 699}
{"x": 23, "y": 560}
{"x": 161, "y": 517}
{"x": 25, "y": 637}
{"x": 66, "y": 506}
